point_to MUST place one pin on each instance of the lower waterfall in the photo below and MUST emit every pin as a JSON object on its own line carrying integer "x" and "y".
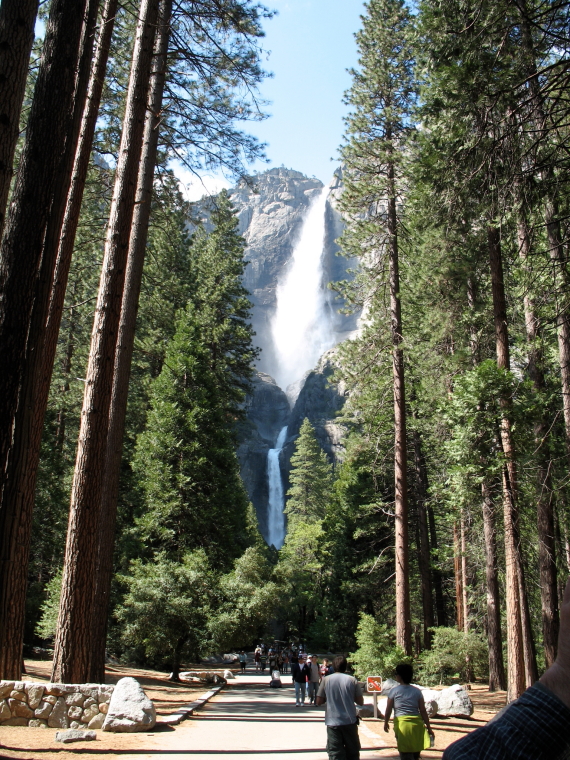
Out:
{"x": 275, "y": 516}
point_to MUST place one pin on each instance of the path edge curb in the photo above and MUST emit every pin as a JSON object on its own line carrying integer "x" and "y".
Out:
{"x": 186, "y": 712}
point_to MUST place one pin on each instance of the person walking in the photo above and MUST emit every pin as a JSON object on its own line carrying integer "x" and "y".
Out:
{"x": 257, "y": 658}
{"x": 314, "y": 678}
{"x": 341, "y": 693}
{"x": 242, "y": 661}
{"x": 326, "y": 668}
{"x": 410, "y": 715}
{"x": 285, "y": 662}
{"x": 299, "y": 673}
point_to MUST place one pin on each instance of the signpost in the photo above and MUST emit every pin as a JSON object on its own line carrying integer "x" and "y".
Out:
{"x": 374, "y": 687}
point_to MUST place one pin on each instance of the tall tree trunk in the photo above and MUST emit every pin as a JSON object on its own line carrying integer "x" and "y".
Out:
{"x": 464, "y": 597}
{"x": 17, "y": 20}
{"x": 403, "y": 615}
{"x": 17, "y": 496}
{"x": 545, "y": 505}
{"x": 458, "y": 578}
{"x": 521, "y": 660}
{"x": 497, "y": 678}
{"x": 71, "y": 655}
{"x": 125, "y": 345}
{"x": 424, "y": 557}
{"x": 22, "y": 243}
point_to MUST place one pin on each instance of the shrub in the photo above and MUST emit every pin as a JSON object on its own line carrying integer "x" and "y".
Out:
{"x": 377, "y": 653}
{"x": 454, "y": 654}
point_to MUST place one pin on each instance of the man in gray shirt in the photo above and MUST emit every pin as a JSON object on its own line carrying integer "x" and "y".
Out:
{"x": 341, "y": 693}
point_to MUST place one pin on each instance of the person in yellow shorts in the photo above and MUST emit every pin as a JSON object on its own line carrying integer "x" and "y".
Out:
{"x": 411, "y": 722}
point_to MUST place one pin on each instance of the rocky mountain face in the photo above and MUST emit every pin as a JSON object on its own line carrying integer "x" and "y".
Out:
{"x": 271, "y": 216}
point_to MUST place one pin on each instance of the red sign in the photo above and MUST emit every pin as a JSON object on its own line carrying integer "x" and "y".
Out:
{"x": 373, "y": 684}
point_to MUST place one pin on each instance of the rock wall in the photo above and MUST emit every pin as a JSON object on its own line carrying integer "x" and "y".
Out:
{"x": 53, "y": 705}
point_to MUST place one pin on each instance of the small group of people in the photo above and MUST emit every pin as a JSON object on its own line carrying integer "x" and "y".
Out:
{"x": 271, "y": 658}
{"x": 307, "y": 674}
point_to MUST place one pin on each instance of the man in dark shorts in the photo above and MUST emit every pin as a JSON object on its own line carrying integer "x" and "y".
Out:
{"x": 341, "y": 693}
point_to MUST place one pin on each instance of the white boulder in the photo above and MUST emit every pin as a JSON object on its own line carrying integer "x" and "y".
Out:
{"x": 130, "y": 709}
{"x": 430, "y": 698}
{"x": 387, "y": 685}
{"x": 454, "y": 701}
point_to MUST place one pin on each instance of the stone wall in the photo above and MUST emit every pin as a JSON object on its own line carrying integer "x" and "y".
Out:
{"x": 53, "y": 705}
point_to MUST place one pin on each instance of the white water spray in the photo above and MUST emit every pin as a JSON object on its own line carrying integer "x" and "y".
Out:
{"x": 302, "y": 325}
{"x": 275, "y": 516}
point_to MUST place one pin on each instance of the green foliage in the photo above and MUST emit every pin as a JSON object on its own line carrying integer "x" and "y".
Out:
{"x": 46, "y": 626}
{"x": 249, "y": 598}
{"x": 166, "y": 608}
{"x": 310, "y": 479}
{"x": 186, "y": 459}
{"x": 453, "y": 654}
{"x": 377, "y": 653}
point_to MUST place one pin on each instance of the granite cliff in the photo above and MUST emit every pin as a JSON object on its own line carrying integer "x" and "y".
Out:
{"x": 271, "y": 215}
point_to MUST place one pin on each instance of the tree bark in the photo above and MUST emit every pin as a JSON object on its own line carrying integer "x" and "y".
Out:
{"x": 521, "y": 661}
{"x": 458, "y": 577}
{"x": 424, "y": 557}
{"x": 17, "y": 496}
{"x": 440, "y": 605}
{"x": 403, "y": 615}
{"x": 497, "y": 678}
{"x": 17, "y": 20}
{"x": 71, "y": 656}
{"x": 22, "y": 243}
{"x": 545, "y": 505}
{"x": 125, "y": 345}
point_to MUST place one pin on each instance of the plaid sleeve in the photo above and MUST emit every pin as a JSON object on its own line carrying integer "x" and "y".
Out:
{"x": 534, "y": 727}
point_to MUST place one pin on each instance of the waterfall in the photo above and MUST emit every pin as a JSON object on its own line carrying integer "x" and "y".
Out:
{"x": 302, "y": 327}
{"x": 275, "y": 516}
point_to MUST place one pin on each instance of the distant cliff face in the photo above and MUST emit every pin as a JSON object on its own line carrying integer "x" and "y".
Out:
{"x": 270, "y": 218}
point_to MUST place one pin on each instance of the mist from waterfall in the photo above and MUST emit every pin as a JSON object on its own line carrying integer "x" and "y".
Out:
{"x": 302, "y": 328}
{"x": 275, "y": 516}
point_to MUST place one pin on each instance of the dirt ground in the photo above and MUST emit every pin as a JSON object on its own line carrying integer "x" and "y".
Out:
{"x": 35, "y": 743}
{"x": 448, "y": 730}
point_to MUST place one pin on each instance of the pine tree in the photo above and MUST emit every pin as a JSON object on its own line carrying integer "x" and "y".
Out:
{"x": 186, "y": 458}
{"x": 382, "y": 96}
{"x": 310, "y": 479}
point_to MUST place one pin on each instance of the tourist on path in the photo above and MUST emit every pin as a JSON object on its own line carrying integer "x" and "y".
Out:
{"x": 257, "y": 658}
{"x": 410, "y": 715}
{"x": 341, "y": 693}
{"x": 263, "y": 661}
{"x": 242, "y": 661}
{"x": 326, "y": 668}
{"x": 299, "y": 674}
{"x": 314, "y": 679}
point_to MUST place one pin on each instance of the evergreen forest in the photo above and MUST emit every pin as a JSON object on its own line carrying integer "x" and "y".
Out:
{"x": 441, "y": 535}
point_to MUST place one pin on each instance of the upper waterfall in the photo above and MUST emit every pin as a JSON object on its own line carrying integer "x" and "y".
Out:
{"x": 302, "y": 326}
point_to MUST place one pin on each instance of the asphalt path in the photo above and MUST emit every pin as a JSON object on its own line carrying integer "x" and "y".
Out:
{"x": 248, "y": 719}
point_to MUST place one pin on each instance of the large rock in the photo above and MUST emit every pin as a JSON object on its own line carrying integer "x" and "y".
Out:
{"x": 387, "y": 685}
{"x": 431, "y": 699}
{"x": 130, "y": 710}
{"x": 454, "y": 702}
{"x": 35, "y": 693}
{"x": 58, "y": 716}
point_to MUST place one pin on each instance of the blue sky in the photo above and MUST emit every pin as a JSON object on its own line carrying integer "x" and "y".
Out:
{"x": 311, "y": 44}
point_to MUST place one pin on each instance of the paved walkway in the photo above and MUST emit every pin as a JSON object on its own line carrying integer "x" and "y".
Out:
{"x": 250, "y": 720}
